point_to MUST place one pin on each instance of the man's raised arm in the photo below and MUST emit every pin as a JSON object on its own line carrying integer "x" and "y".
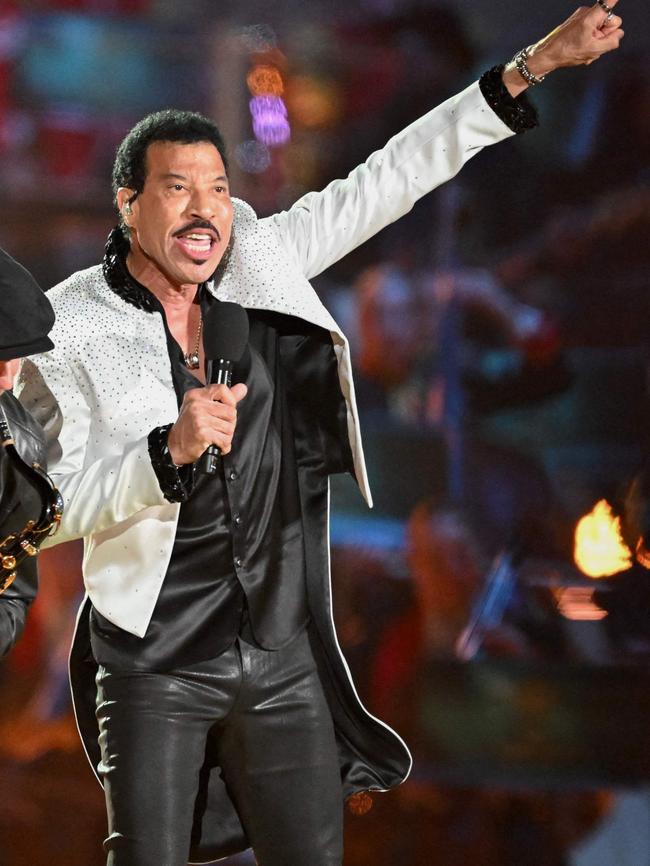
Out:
{"x": 324, "y": 226}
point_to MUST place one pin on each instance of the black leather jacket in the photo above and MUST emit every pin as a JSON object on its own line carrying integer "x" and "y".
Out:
{"x": 17, "y": 504}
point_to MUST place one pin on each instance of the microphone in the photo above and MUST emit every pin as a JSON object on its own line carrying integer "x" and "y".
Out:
{"x": 225, "y": 335}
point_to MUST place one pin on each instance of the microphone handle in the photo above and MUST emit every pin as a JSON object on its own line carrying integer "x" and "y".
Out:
{"x": 209, "y": 460}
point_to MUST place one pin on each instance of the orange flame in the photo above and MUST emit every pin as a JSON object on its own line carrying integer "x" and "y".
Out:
{"x": 599, "y": 549}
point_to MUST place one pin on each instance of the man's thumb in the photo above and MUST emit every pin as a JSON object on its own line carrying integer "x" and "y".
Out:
{"x": 239, "y": 391}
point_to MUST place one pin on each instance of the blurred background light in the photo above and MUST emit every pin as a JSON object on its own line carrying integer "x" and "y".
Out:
{"x": 258, "y": 38}
{"x": 314, "y": 104}
{"x": 265, "y": 80}
{"x": 270, "y": 120}
{"x": 252, "y": 156}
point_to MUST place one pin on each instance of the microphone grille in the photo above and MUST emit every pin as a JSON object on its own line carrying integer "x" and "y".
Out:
{"x": 225, "y": 331}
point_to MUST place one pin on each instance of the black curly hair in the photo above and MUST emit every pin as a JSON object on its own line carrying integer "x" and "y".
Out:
{"x": 184, "y": 127}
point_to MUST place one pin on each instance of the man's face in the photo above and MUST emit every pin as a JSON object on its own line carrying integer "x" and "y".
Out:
{"x": 182, "y": 220}
{"x": 8, "y": 370}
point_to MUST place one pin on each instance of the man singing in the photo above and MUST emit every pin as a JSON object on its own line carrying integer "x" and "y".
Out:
{"x": 226, "y": 713}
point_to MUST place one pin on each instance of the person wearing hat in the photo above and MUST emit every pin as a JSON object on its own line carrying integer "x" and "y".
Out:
{"x": 26, "y": 318}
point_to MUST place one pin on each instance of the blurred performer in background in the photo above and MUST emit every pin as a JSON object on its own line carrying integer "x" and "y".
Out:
{"x": 226, "y": 713}
{"x": 26, "y": 318}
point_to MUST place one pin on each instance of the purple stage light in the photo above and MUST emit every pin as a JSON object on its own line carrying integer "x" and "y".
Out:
{"x": 270, "y": 120}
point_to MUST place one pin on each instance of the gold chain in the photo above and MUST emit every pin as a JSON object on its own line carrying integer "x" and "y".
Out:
{"x": 192, "y": 358}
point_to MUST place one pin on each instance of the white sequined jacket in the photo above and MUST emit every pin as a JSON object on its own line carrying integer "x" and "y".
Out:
{"x": 108, "y": 381}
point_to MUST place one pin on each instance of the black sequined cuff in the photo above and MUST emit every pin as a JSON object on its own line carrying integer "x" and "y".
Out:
{"x": 516, "y": 112}
{"x": 176, "y": 482}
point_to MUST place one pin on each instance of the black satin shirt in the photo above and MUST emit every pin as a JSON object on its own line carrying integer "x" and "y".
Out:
{"x": 238, "y": 562}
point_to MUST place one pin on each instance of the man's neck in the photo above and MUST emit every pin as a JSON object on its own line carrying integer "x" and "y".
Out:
{"x": 170, "y": 295}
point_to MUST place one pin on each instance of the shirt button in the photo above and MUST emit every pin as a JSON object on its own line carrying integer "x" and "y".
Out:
{"x": 237, "y": 519}
{"x": 232, "y": 475}
{"x": 238, "y": 561}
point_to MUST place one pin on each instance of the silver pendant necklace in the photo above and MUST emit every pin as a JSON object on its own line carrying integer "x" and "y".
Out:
{"x": 192, "y": 359}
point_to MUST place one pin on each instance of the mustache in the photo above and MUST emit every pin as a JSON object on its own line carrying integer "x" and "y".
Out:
{"x": 198, "y": 224}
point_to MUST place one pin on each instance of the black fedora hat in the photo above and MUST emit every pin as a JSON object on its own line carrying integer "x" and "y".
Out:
{"x": 26, "y": 315}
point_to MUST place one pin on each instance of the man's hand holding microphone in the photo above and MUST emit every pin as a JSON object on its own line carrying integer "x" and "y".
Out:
{"x": 208, "y": 416}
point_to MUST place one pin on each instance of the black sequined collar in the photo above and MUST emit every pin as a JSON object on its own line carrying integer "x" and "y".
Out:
{"x": 120, "y": 280}
{"x": 118, "y": 277}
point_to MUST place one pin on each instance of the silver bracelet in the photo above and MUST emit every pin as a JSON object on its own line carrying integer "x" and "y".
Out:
{"x": 521, "y": 62}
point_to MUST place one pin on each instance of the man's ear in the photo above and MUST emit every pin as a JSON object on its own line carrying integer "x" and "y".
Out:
{"x": 123, "y": 199}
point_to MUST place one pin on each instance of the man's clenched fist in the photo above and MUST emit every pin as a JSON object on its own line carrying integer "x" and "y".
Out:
{"x": 208, "y": 416}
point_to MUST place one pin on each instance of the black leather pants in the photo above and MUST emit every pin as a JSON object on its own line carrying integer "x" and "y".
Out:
{"x": 265, "y": 714}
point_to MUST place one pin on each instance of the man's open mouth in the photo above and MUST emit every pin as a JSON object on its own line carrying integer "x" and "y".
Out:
{"x": 198, "y": 243}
